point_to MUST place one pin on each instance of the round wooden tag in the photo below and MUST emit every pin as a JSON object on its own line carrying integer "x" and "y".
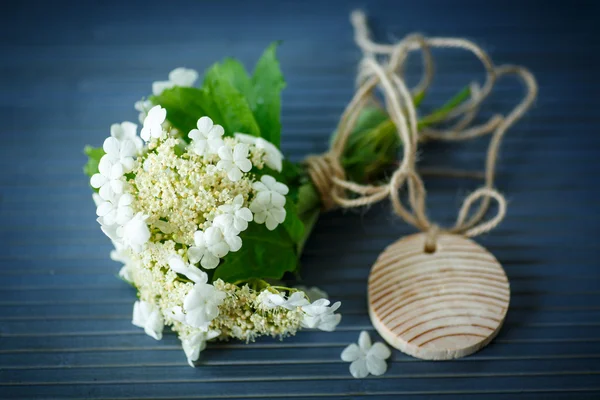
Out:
{"x": 441, "y": 305}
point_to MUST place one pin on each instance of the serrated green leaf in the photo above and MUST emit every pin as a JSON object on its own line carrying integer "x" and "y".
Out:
{"x": 185, "y": 105}
{"x": 292, "y": 223}
{"x": 264, "y": 254}
{"x": 94, "y": 155}
{"x": 233, "y": 107}
{"x": 268, "y": 83}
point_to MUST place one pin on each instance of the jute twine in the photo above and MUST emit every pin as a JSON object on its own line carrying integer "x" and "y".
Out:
{"x": 382, "y": 69}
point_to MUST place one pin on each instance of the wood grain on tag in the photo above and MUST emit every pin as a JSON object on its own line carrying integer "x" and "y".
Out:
{"x": 441, "y": 305}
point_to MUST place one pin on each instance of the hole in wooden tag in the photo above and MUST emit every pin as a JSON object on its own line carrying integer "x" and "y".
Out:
{"x": 441, "y": 305}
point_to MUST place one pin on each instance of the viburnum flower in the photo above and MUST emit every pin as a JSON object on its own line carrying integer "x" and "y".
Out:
{"x": 111, "y": 231}
{"x": 122, "y": 151}
{"x": 366, "y": 358}
{"x": 201, "y": 305}
{"x": 273, "y": 157}
{"x": 195, "y": 343}
{"x": 147, "y": 315}
{"x": 178, "y": 77}
{"x": 268, "y": 205}
{"x": 116, "y": 211}
{"x": 208, "y": 138}
{"x": 135, "y": 233}
{"x": 234, "y": 217}
{"x": 108, "y": 179}
{"x": 127, "y": 131}
{"x": 143, "y": 106}
{"x": 153, "y": 123}
{"x": 271, "y": 300}
{"x": 234, "y": 161}
{"x": 210, "y": 247}
{"x": 319, "y": 315}
{"x": 190, "y": 271}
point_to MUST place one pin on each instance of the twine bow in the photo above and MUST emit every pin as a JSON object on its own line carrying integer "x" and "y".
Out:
{"x": 387, "y": 76}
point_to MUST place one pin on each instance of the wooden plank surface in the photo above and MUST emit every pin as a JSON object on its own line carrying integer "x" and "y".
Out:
{"x": 70, "y": 69}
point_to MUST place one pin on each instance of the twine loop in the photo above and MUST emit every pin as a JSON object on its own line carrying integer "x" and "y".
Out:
{"x": 381, "y": 70}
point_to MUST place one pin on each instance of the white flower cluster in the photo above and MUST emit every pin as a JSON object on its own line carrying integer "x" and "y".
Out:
{"x": 175, "y": 208}
{"x": 318, "y": 314}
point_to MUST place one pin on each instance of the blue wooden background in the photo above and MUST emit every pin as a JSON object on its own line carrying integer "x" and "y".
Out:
{"x": 69, "y": 70}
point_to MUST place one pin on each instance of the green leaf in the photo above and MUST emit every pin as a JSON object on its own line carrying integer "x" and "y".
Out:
{"x": 233, "y": 107}
{"x": 441, "y": 113}
{"x": 94, "y": 155}
{"x": 264, "y": 254}
{"x": 185, "y": 105}
{"x": 292, "y": 223}
{"x": 265, "y": 101}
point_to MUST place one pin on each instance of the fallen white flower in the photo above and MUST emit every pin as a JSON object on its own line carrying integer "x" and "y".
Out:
{"x": 366, "y": 358}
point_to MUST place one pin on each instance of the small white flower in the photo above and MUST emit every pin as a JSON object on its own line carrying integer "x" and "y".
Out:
{"x": 208, "y": 138}
{"x": 116, "y": 211}
{"x": 319, "y": 315}
{"x": 135, "y": 233}
{"x": 201, "y": 305}
{"x": 112, "y": 231}
{"x": 273, "y": 157}
{"x": 190, "y": 271}
{"x": 209, "y": 247}
{"x": 125, "y": 273}
{"x": 313, "y": 293}
{"x": 153, "y": 123}
{"x": 234, "y": 217}
{"x": 122, "y": 151}
{"x": 97, "y": 199}
{"x": 271, "y": 300}
{"x": 147, "y": 315}
{"x": 268, "y": 204}
{"x": 178, "y": 77}
{"x": 184, "y": 77}
{"x": 366, "y": 358}
{"x": 195, "y": 343}
{"x": 143, "y": 106}
{"x": 108, "y": 179}
{"x": 127, "y": 131}
{"x": 235, "y": 161}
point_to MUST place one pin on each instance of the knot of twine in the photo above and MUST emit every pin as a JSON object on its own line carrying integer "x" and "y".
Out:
{"x": 387, "y": 76}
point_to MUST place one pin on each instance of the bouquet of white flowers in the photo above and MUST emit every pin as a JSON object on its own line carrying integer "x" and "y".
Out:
{"x": 206, "y": 214}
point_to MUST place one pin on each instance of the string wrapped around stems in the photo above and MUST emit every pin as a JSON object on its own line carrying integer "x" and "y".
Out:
{"x": 387, "y": 77}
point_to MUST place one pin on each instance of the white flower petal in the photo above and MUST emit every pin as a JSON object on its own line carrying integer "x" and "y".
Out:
{"x": 351, "y": 353}
{"x": 375, "y": 365}
{"x": 380, "y": 350}
{"x": 205, "y": 124}
{"x": 358, "y": 368}
{"x": 364, "y": 341}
